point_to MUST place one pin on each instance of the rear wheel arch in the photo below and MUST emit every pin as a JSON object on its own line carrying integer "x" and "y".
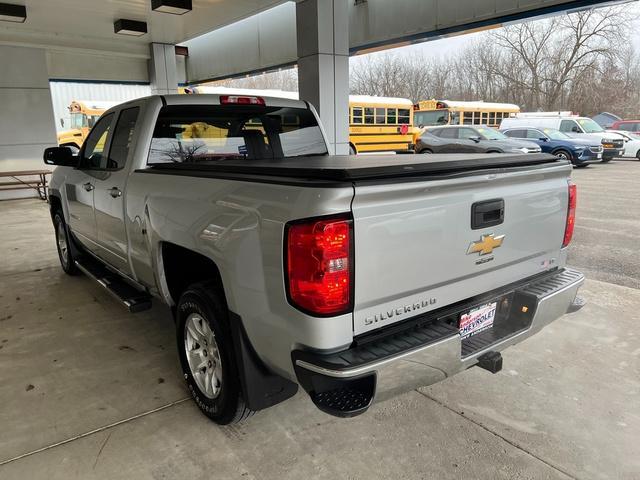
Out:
{"x": 183, "y": 267}
{"x": 55, "y": 205}
{"x": 352, "y": 149}
{"x": 494, "y": 151}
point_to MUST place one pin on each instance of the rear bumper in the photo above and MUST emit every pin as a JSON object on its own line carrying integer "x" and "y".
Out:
{"x": 429, "y": 352}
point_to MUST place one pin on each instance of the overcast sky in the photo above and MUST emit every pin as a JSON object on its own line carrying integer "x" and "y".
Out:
{"x": 446, "y": 46}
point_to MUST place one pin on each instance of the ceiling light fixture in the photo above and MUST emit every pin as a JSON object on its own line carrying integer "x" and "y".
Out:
{"x": 130, "y": 27}
{"x": 175, "y": 7}
{"x": 13, "y": 13}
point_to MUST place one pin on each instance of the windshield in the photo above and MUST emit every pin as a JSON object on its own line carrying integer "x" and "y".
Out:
{"x": 78, "y": 120}
{"x": 555, "y": 134}
{"x": 491, "y": 134}
{"x": 589, "y": 126}
{"x": 206, "y": 134}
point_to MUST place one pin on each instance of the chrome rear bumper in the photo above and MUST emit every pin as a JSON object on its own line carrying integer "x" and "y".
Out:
{"x": 438, "y": 358}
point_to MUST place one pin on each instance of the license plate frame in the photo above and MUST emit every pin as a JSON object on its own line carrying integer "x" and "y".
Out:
{"x": 478, "y": 319}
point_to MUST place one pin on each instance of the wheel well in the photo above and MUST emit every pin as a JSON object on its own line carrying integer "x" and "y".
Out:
{"x": 183, "y": 267}
{"x": 494, "y": 151}
{"x": 351, "y": 145}
{"x": 557, "y": 150}
{"x": 55, "y": 204}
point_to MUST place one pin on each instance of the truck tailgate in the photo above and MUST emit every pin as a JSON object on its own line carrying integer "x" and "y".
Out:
{"x": 416, "y": 249}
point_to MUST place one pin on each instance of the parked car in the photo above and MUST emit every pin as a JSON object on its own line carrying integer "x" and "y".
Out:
{"x": 572, "y": 125}
{"x": 631, "y": 144}
{"x": 471, "y": 139}
{"x": 627, "y": 125}
{"x": 581, "y": 152}
{"x": 351, "y": 277}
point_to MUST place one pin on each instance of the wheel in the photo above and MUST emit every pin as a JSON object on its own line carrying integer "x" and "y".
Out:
{"x": 352, "y": 151}
{"x": 606, "y": 160}
{"x": 638, "y": 154}
{"x": 562, "y": 154}
{"x": 206, "y": 354}
{"x": 426, "y": 150}
{"x": 62, "y": 243}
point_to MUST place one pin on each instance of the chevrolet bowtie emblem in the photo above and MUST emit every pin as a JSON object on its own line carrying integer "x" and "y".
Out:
{"x": 486, "y": 244}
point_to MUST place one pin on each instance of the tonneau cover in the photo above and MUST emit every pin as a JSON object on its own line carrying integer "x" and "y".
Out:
{"x": 348, "y": 168}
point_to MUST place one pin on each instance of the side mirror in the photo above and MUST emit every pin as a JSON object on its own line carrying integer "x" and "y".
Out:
{"x": 575, "y": 129}
{"x": 475, "y": 139}
{"x": 61, "y": 156}
{"x": 544, "y": 139}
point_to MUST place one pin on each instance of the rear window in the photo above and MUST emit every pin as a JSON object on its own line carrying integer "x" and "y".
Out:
{"x": 211, "y": 133}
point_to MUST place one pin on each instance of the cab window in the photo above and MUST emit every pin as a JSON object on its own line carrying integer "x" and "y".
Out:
{"x": 122, "y": 136}
{"x": 569, "y": 126}
{"x": 95, "y": 144}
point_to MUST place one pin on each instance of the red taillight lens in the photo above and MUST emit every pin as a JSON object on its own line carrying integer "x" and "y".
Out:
{"x": 320, "y": 265}
{"x": 240, "y": 100}
{"x": 571, "y": 215}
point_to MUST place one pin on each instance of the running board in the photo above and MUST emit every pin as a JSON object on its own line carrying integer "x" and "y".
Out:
{"x": 132, "y": 298}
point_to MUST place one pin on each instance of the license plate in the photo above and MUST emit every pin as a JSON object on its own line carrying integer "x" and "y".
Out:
{"x": 477, "y": 320}
{"x": 599, "y": 155}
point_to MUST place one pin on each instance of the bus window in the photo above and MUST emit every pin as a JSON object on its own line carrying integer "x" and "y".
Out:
{"x": 454, "y": 118}
{"x": 476, "y": 118}
{"x": 467, "y": 118}
{"x": 357, "y": 114}
{"x": 492, "y": 118}
{"x": 368, "y": 116}
{"x": 485, "y": 118}
{"x": 431, "y": 118}
{"x": 392, "y": 116}
{"x": 78, "y": 120}
{"x": 381, "y": 115}
{"x": 404, "y": 116}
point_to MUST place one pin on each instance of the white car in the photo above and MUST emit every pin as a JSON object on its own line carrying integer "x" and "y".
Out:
{"x": 631, "y": 144}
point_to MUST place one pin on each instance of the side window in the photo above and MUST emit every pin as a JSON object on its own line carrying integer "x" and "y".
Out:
{"x": 381, "y": 116}
{"x": 467, "y": 133}
{"x": 391, "y": 116}
{"x": 467, "y": 118}
{"x": 357, "y": 115}
{"x": 404, "y": 116}
{"x": 96, "y": 143}
{"x": 368, "y": 116}
{"x": 568, "y": 126}
{"x": 516, "y": 133}
{"x": 122, "y": 138}
{"x": 535, "y": 134}
{"x": 449, "y": 133}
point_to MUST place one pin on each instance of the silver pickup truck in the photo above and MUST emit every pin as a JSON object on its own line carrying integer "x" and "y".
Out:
{"x": 352, "y": 277}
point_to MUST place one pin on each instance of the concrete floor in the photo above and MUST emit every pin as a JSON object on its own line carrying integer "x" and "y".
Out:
{"x": 89, "y": 391}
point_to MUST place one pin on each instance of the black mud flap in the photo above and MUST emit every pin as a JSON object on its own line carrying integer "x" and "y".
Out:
{"x": 261, "y": 387}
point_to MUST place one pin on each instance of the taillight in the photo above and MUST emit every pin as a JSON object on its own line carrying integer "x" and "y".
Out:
{"x": 319, "y": 265}
{"x": 571, "y": 215}
{"x": 240, "y": 100}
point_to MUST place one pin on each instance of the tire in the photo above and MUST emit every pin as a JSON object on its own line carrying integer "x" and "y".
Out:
{"x": 494, "y": 151}
{"x": 638, "y": 154}
{"x": 67, "y": 262}
{"x": 207, "y": 356}
{"x": 563, "y": 154}
{"x": 426, "y": 151}
{"x": 606, "y": 160}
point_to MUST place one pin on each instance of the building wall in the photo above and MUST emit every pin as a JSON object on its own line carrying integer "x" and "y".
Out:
{"x": 26, "y": 116}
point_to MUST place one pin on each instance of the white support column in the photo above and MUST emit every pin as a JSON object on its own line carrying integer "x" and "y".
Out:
{"x": 163, "y": 75}
{"x": 323, "y": 65}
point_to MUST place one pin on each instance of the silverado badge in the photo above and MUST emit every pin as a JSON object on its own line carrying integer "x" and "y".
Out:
{"x": 486, "y": 244}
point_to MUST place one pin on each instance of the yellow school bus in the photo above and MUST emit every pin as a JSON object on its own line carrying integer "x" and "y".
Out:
{"x": 380, "y": 124}
{"x": 428, "y": 113}
{"x": 84, "y": 114}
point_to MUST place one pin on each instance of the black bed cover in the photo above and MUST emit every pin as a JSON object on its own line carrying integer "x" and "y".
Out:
{"x": 352, "y": 168}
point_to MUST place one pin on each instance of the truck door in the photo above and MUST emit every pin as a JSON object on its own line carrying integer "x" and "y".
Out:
{"x": 80, "y": 184}
{"x": 109, "y": 193}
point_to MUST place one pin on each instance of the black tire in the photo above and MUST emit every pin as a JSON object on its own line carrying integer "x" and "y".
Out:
{"x": 560, "y": 153}
{"x": 606, "y": 160}
{"x": 580, "y": 165}
{"x": 638, "y": 154}
{"x": 67, "y": 262}
{"x": 201, "y": 303}
{"x": 425, "y": 150}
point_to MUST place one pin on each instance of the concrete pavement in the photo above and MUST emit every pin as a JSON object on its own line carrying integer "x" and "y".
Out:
{"x": 90, "y": 391}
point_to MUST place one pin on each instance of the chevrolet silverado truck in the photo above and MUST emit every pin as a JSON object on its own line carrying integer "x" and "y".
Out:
{"x": 355, "y": 278}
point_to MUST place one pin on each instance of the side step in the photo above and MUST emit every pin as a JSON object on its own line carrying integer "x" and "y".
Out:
{"x": 129, "y": 296}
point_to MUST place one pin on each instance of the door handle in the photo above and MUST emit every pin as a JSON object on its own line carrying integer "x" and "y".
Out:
{"x": 115, "y": 192}
{"x": 88, "y": 187}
